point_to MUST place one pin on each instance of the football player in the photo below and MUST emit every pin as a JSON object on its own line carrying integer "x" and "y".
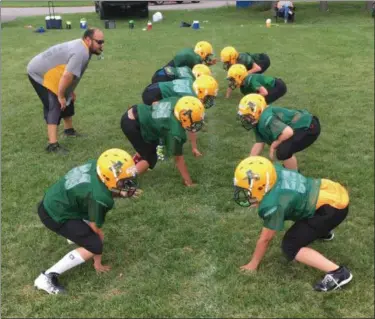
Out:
{"x": 169, "y": 73}
{"x": 316, "y": 206}
{"x": 269, "y": 87}
{"x": 166, "y": 120}
{"x": 254, "y": 62}
{"x": 205, "y": 87}
{"x": 85, "y": 193}
{"x": 202, "y": 53}
{"x": 286, "y": 131}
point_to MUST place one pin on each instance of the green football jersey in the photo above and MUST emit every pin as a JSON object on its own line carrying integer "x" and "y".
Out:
{"x": 80, "y": 194}
{"x": 293, "y": 197}
{"x": 274, "y": 120}
{"x": 183, "y": 72}
{"x": 157, "y": 122}
{"x": 187, "y": 57}
{"x": 253, "y": 82}
{"x": 179, "y": 88}
{"x": 248, "y": 59}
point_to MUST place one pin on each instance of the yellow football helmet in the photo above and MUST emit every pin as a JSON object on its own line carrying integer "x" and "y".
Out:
{"x": 189, "y": 111}
{"x": 236, "y": 75}
{"x": 204, "y": 49}
{"x": 116, "y": 169}
{"x": 206, "y": 89}
{"x": 229, "y": 56}
{"x": 253, "y": 178}
{"x": 250, "y": 108}
{"x": 201, "y": 69}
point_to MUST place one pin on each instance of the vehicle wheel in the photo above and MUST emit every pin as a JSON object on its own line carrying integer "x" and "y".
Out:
{"x": 195, "y": 1}
{"x": 179, "y": 2}
{"x": 102, "y": 13}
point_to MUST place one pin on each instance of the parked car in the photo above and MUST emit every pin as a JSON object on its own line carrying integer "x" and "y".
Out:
{"x": 106, "y": 9}
{"x": 162, "y": 2}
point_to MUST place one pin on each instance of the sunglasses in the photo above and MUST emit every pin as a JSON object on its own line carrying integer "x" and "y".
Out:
{"x": 100, "y": 42}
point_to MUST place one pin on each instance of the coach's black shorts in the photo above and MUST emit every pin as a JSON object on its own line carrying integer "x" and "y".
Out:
{"x": 74, "y": 229}
{"x": 51, "y": 104}
{"x": 305, "y": 231}
{"x": 132, "y": 131}
{"x": 264, "y": 62}
{"x": 161, "y": 76}
{"x": 301, "y": 139}
{"x": 152, "y": 93}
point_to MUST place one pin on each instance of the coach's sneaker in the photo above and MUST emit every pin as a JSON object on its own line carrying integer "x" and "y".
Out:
{"x": 334, "y": 280}
{"x": 56, "y": 148}
{"x": 49, "y": 283}
{"x": 71, "y": 132}
{"x": 328, "y": 237}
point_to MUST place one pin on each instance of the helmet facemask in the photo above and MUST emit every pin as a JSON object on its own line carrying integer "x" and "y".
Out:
{"x": 248, "y": 121}
{"x": 232, "y": 83}
{"x": 209, "y": 59}
{"x": 242, "y": 196}
{"x": 194, "y": 126}
{"x": 226, "y": 65}
{"x": 126, "y": 187}
{"x": 208, "y": 101}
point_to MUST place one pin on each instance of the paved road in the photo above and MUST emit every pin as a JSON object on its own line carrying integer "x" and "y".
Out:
{"x": 9, "y": 14}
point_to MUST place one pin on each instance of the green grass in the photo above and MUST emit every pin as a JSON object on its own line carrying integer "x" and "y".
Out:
{"x": 27, "y": 4}
{"x": 176, "y": 252}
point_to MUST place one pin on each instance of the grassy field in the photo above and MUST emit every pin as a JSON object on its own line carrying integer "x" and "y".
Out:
{"x": 26, "y": 4}
{"x": 176, "y": 252}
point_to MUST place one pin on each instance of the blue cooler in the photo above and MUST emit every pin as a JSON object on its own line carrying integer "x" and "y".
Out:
{"x": 195, "y": 25}
{"x": 243, "y": 4}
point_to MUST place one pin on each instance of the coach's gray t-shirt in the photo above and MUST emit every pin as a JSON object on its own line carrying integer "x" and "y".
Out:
{"x": 48, "y": 67}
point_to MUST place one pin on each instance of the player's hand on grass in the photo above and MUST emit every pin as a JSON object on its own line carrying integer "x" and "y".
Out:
{"x": 196, "y": 152}
{"x": 249, "y": 267}
{"x": 99, "y": 267}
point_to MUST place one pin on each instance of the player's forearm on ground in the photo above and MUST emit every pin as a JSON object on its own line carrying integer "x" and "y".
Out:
{"x": 65, "y": 81}
{"x": 180, "y": 163}
{"x": 259, "y": 252}
{"x": 229, "y": 91}
{"x": 256, "y": 149}
{"x": 193, "y": 139}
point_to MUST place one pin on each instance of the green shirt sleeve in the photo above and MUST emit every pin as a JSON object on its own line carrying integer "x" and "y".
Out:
{"x": 275, "y": 126}
{"x": 97, "y": 212}
{"x": 174, "y": 145}
{"x": 255, "y": 84}
{"x": 258, "y": 137}
{"x": 273, "y": 218}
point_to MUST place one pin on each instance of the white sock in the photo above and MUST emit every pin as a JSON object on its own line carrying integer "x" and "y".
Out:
{"x": 70, "y": 260}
